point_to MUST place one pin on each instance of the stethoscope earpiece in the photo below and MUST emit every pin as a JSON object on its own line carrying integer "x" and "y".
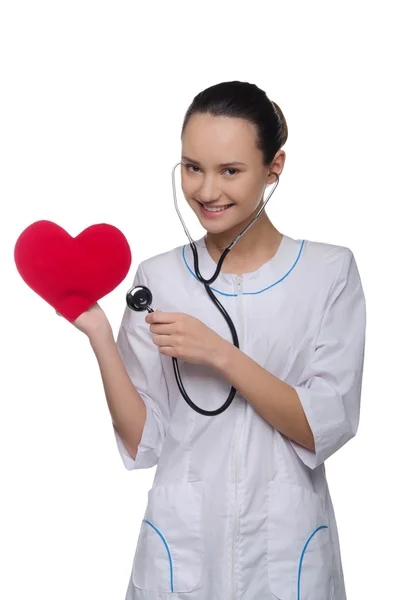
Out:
{"x": 139, "y": 298}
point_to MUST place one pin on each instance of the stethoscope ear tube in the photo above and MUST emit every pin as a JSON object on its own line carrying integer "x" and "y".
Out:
{"x": 139, "y": 298}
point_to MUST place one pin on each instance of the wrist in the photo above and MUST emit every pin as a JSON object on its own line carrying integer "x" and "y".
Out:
{"x": 101, "y": 337}
{"x": 221, "y": 355}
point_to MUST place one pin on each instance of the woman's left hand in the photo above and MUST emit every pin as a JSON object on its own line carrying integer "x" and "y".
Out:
{"x": 185, "y": 337}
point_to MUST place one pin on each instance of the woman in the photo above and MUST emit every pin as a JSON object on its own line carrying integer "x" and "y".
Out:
{"x": 240, "y": 507}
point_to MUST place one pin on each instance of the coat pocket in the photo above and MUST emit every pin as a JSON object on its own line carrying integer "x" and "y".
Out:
{"x": 299, "y": 546}
{"x": 169, "y": 552}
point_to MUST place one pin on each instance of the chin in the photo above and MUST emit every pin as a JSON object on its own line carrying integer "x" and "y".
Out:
{"x": 218, "y": 228}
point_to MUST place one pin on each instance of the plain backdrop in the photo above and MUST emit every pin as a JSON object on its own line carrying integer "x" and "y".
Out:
{"x": 92, "y": 101}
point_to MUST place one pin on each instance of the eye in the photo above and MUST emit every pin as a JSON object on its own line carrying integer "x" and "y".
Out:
{"x": 194, "y": 167}
{"x": 228, "y": 169}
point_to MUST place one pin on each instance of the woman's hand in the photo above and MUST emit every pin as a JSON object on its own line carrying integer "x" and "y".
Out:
{"x": 185, "y": 337}
{"x": 92, "y": 322}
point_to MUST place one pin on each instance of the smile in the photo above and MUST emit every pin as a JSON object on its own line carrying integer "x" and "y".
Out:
{"x": 214, "y": 211}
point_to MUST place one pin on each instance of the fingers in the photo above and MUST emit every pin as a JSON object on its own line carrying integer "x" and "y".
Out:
{"x": 164, "y": 329}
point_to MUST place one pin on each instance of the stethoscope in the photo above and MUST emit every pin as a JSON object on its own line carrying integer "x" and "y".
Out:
{"x": 140, "y": 298}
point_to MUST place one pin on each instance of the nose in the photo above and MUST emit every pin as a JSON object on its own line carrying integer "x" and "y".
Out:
{"x": 209, "y": 190}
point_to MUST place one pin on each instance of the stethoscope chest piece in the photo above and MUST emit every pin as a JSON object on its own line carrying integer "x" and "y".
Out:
{"x": 139, "y": 298}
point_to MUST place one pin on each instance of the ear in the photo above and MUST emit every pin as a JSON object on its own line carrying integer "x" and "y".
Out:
{"x": 277, "y": 166}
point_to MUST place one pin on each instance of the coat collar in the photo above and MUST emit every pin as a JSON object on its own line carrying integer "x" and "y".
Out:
{"x": 271, "y": 273}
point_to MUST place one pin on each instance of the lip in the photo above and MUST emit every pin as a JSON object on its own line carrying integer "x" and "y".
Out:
{"x": 213, "y": 215}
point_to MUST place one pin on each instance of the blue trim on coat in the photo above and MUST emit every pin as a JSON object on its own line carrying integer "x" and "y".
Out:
{"x": 167, "y": 548}
{"x": 245, "y": 293}
{"x": 303, "y": 552}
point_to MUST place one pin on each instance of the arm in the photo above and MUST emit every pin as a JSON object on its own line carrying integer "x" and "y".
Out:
{"x": 126, "y": 406}
{"x": 276, "y": 401}
{"x": 324, "y": 405}
{"x": 135, "y": 388}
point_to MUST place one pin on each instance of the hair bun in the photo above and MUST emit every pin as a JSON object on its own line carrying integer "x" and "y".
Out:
{"x": 283, "y": 122}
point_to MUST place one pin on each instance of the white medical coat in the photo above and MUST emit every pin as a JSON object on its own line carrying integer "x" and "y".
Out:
{"x": 238, "y": 511}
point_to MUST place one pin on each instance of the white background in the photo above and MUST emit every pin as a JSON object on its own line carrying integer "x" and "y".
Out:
{"x": 93, "y": 96}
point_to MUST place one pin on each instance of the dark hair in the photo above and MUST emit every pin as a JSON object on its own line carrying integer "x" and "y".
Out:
{"x": 245, "y": 101}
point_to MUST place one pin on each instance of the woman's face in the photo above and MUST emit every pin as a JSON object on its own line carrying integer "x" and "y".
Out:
{"x": 209, "y": 147}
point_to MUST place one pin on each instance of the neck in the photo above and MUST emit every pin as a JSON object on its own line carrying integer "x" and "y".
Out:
{"x": 262, "y": 237}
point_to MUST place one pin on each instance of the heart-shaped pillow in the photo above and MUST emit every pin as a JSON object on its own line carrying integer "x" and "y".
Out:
{"x": 72, "y": 273}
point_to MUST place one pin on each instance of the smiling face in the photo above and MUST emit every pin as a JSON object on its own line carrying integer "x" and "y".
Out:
{"x": 211, "y": 148}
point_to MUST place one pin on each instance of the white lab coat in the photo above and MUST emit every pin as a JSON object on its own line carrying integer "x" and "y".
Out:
{"x": 238, "y": 511}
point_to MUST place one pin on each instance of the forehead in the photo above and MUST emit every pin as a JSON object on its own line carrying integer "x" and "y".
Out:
{"x": 206, "y": 133}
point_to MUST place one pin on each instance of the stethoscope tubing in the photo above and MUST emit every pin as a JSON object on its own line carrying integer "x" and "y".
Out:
{"x": 207, "y": 283}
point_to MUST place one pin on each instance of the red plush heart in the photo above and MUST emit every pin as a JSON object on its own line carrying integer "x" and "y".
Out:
{"x": 71, "y": 274}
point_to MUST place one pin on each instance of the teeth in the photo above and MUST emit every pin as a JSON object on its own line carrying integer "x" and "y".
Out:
{"x": 218, "y": 208}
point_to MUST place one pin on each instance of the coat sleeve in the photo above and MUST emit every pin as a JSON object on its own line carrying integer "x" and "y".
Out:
{"x": 142, "y": 361}
{"x": 330, "y": 386}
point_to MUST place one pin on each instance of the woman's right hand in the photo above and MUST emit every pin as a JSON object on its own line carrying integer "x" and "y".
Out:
{"x": 92, "y": 322}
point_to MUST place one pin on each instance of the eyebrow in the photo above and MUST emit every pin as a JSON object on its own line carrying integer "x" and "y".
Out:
{"x": 220, "y": 165}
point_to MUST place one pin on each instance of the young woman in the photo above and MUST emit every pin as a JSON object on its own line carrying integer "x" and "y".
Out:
{"x": 240, "y": 507}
